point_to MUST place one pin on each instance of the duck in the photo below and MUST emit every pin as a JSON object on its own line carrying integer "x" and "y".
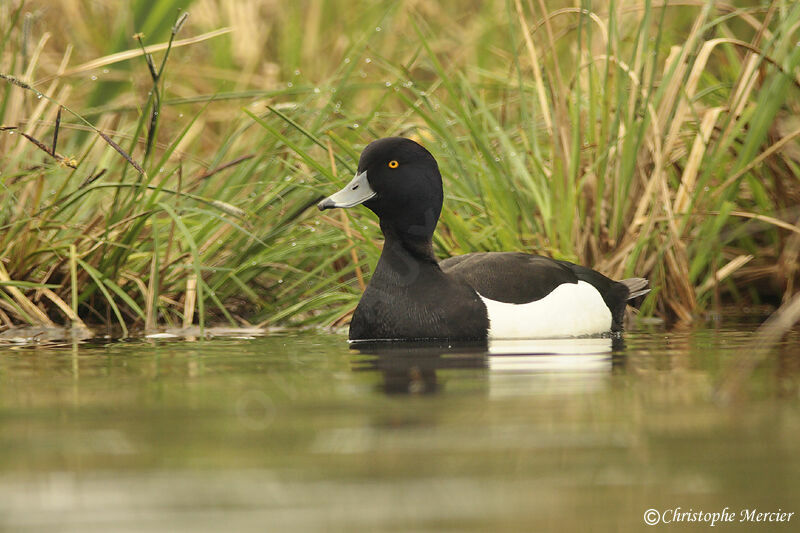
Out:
{"x": 473, "y": 297}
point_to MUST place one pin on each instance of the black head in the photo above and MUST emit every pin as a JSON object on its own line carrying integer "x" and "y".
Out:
{"x": 400, "y": 182}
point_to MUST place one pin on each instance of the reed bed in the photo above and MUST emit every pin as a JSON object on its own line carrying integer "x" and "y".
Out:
{"x": 159, "y": 170}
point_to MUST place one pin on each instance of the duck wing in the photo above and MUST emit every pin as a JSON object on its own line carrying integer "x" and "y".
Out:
{"x": 520, "y": 278}
{"x": 510, "y": 277}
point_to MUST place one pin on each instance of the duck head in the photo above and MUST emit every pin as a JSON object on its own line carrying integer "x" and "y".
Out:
{"x": 399, "y": 181}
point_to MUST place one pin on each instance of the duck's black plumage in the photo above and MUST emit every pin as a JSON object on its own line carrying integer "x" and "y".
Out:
{"x": 413, "y": 296}
{"x": 406, "y": 299}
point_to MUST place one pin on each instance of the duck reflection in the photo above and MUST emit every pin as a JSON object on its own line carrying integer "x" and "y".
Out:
{"x": 412, "y": 367}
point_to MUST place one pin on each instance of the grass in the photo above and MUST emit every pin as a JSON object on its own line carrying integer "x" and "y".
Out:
{"x": 169, "y": 178}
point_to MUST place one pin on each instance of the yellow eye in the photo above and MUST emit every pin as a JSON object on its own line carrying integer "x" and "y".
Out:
{"x": 393, "y": 164}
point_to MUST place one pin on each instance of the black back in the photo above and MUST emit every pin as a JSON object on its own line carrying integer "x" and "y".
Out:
{"x": 510, "y": 277}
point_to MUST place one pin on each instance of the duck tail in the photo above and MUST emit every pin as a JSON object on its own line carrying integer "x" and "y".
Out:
{"x": 636, "y": 287}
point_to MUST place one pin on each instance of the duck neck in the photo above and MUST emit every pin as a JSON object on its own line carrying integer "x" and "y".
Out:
{"x": 404, "y": 255}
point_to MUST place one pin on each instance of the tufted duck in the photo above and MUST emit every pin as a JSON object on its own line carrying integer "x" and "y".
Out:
{"x": 475, "y": 296}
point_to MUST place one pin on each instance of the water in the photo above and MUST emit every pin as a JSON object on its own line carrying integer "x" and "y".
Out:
{"x": 297, "y": 432}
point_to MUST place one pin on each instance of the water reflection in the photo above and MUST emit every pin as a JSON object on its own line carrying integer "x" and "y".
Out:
{"x": 412, "y": 367}
{"x": 303, "y": 432}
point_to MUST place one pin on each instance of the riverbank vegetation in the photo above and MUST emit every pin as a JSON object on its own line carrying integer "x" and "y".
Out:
{"x": 161, "y": 170}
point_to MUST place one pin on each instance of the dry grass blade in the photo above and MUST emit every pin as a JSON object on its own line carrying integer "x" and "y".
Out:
{"x": 689, "y": 89}
{"x": 748, "y": 80}
{"x": 190, "y": 298}
{"x": 764, "y": 218}
{"x": 5, "y": 320}
{"x": 757, "y": 160}
{"x": 562, "y": 115}
{"x": 66, "y": 309}
{"x": 28, "y": 306}
{"x": 150, "y": 309}
{"x": 541, "y": 94}
{"x": 136, "y": 52}
{"x": 721, "y": 274}
{"x": 686, "y": 188}
{"x": 675, "y": 86}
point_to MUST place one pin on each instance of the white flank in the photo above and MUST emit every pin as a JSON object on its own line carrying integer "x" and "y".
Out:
{"x": 571, "y": 309}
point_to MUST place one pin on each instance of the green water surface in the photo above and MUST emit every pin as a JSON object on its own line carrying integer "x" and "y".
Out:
{"x": 298, "y": 432}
